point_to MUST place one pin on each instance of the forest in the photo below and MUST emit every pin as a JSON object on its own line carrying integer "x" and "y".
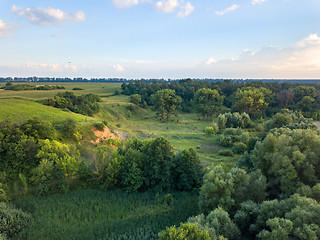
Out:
{"x": 174, "y": 160}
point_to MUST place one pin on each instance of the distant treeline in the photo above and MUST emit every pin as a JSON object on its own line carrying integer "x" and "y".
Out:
{"x": 122, "y": 80}
{"x": 23, "y": 87}
{"x": 256, "y": 98}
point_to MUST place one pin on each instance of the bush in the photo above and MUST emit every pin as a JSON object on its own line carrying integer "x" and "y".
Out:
{"x": 226, "y": 152}
{"x": 234, "y": 120}
{"x": 99, "y": 126}
{"x": 13, "y": 221}
{"x": 209, "y": 131}
{"x": 117, "y": 92}
{"x": 135, "y": 99}
{"x": 239, "y": 147}
{"x": 186, "y": 231}
{"x": 212, "y": 130}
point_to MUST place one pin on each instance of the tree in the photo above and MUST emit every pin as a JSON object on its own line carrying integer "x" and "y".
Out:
{"x": 188, "y": 171}
{"x": 166, "y": 102}
{"x": 208, "y": 101}
{"x": 38, "y": 129}
{"x": 229, "y": 189}
{"x": 135, "y": 99}
{"x": 302, "y": 91}
{"x": 251, "y": 100}
{"x": 186, "y": 231}
{"x": 280, "y": 229}
{"x": 157, "y": 164}
{"x": 306, "y": 104}
{"x": 131, "y": 170}
{"x": 59, "y": 157}
{"x": 285, "y": 98}
{"x": 289, "y": 159}
{"x": 217, "y": 223}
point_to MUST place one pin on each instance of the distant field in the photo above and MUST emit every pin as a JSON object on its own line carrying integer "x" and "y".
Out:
{"x": 101, "y": 89}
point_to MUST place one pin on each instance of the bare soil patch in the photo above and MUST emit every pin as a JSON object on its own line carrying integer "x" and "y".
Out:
{"x": 105, "y": 135}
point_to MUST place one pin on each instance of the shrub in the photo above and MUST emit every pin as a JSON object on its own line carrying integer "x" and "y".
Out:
{"x": 239, "y": 147}
{"x": 186, "y": 231}
{"x": 13, "y": 220}
{"x": 135, "y": 99}
{"x": 209, "y": 131}
{"x": 99, "y": 126}
{"x": 226, "y": 152}
{"x": 234, "y": 120}
{"x": 117, "y": 92}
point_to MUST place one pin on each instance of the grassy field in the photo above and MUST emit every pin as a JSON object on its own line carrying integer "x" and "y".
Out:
{"x": 184, "y": 130}
{"x": 95, "y": 214}
{"x": 20, "y": 109}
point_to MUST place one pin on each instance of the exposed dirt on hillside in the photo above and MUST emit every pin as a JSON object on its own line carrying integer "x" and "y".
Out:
{"x": 106, "y": 134}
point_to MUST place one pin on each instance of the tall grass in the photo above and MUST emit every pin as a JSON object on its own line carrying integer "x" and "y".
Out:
{"x": 95, "y": 214}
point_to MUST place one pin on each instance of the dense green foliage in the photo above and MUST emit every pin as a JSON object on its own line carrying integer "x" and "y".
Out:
{"x": 151, "y": 164}
{"x": 186, "y": 231}
{"x": 207, "y": 101}
{"x": 255, "y": 98}
{"x": 218, "y": 224}
{"x": 166, "y": 102}
{"x": 234, "y": 120}
{"x": 229, "y": 189}
{"x": 84, "y": 104}
{"x": 252, "y": 100}
{"x": 289, "y": 159}
{"x": 94, "y": 214}
{"x": 13, "y": 221}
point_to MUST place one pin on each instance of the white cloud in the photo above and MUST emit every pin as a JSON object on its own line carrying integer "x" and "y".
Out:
{"x": 254, "y": 2}
{"x": 310, "y": 40}
{"x": 125, "y": 3}
{"x": 47, "y": 16}
{"x": 167, "y": 5}
{"x": 185, "y": 10}
{"x": 228, "y": 9}
{"x": 4, "y": 29}
{"x": 210, "y": 60}
{"x": 50, "y": 67}
{"x": 118, "y": 68}
{"x": 299, "y": 61}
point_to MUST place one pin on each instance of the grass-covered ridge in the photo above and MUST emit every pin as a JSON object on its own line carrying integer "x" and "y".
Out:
{"x": 12, "y": 108}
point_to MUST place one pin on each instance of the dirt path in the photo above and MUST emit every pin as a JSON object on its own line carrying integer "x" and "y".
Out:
{"x": 317, "y": 124}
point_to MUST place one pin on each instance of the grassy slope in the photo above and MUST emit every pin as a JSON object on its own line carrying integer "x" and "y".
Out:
{"x": 183, "y": 131}
{"x": 24, "y": 109}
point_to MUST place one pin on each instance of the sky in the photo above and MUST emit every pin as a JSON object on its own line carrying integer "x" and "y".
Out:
{"x": 230, "y": 39}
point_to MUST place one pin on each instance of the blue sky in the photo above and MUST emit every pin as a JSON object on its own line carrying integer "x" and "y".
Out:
{"x": 160, "y": 38}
